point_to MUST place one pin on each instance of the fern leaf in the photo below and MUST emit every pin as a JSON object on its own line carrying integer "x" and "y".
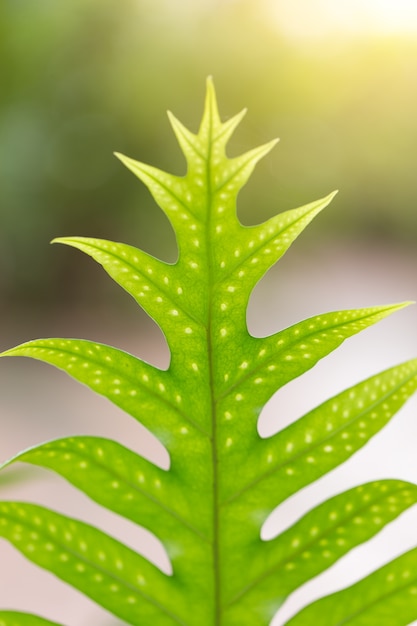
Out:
{"x": 387, "y": 596}
{"x": 113, "y": 575}
{"x": 223, "y": 481}
{"x": 323, "y": 439}
{"x": 313, "y": 544}
{"x": 125, "y": 483}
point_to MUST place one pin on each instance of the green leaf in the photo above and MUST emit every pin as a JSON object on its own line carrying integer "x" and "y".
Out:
{"x": 223, "y": 478}
{"x": 105, "y": 570}
{"x": 127, "y": 484}
{"x": 320, "y": 441}
{"x": 16, "y": 618}
{"x": 313, "y": 544}
{"x": 145, "y": 392}
{"x": 387, "y": 596}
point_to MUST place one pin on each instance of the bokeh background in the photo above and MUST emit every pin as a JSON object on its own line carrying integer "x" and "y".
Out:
{"x": 336, "y": 81}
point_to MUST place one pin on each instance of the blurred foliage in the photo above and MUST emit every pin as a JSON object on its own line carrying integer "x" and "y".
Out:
{"x": 84, "y": 78}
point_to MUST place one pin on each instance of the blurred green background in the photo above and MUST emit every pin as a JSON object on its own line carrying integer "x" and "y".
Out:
{"x": 337, "y": 82}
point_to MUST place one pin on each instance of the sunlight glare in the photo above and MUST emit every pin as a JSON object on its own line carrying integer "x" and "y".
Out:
{"x": 322, "y": 18}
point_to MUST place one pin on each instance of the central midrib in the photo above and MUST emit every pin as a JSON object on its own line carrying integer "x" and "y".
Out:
{"x": 214, "y": 452}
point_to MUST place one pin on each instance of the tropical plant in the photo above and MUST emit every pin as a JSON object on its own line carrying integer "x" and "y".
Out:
{"x": 224, "y": 479}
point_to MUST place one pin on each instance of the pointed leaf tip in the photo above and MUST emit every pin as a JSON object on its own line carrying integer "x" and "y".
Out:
{"x": 398, "y": 306}
{"x": 211, "y": 111}
{"x": 59, "y": 240}
{"x": 210, "y": 89}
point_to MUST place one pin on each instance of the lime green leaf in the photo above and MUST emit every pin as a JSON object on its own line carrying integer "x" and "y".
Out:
{"x": 113, "y": 575}
{"x": 313, "y": 544}
{"x": 387, "y": 596}
{"x": 127, "y": 484}
{"x": 319, "y": 441}
{"x": 250, "y": 375}
{"x": 153, "y": 284}
{"x": 16, "y": 618}
{"x": 143, "y": 391}
{"x": 223, "y": 479}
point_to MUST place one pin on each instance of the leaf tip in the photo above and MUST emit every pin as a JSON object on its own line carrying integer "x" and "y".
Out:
{"x": 210, "y": 106}
{"x": 8, "y": 352}
{"x": 393, "y": 308}
{"x": 128, "y": 162}
{"x": 324, "y": 202}
{"x": 402, "y": 305}
{"x": 119, "y": 156}
{"x": 210, "y": 89}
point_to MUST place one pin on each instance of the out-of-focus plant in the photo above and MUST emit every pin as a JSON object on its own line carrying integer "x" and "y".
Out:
{"x": 73, "y": 77}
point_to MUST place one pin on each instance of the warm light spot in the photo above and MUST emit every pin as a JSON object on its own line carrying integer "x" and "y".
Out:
{"x": 328, "y": 19}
